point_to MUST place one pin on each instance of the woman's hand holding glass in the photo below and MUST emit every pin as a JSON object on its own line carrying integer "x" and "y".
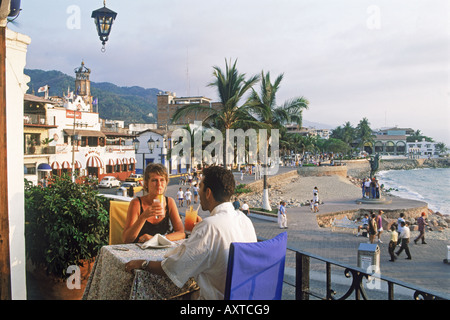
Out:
{"x": 154, "y": 213}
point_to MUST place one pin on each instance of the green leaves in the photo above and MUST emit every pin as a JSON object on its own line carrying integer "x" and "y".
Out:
{"x": 65, "y": 223}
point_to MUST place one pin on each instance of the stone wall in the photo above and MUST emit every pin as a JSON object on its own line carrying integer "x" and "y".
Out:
{"x": 258, "y": 185}
{"x": 325, "y": 170}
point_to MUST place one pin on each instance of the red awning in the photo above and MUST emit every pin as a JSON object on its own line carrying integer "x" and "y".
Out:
{"x": 125, "y": 161}
{"x": 111, "y": 162}
{"x": 118, "y": 161}
{"x": 94, "y": 162}
{"x": 132, "y": 160}
{"x": 77, "y": 164}
{"x": 56, "y": 165}
{"x": 66, "y": 165}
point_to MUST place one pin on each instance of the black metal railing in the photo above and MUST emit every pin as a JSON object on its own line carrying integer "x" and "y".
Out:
{"x": 357, "y": 276}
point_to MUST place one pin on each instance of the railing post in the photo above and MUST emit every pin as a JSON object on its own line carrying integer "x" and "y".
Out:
{"x": 328, "y": 279}
{"x": 301, "y": 276}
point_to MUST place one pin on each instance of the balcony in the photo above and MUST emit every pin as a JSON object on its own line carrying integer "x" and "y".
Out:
{"x": 39, "y": 150}
{"x": 31, "y": 119}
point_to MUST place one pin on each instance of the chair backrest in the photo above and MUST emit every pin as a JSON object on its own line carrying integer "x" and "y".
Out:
{"x": 117, "y": 219}
{"x": 256, "y": 269}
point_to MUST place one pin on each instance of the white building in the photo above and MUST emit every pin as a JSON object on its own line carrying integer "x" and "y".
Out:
{"x": 75, "y": 140}
{"x": 422, "y": 149}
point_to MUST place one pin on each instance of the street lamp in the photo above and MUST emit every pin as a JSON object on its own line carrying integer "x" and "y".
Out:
{"x": 150, "y": 145}
{"x": 103, "y": 18}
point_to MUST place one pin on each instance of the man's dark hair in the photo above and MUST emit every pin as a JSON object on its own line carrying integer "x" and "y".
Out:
{"x": 220, "y": 181}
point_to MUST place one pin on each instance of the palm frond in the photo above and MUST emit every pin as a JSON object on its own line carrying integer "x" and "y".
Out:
{"x": 191, "y": 109}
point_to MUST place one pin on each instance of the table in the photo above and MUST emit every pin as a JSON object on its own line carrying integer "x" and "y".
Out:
{"x": 109, "y": 280}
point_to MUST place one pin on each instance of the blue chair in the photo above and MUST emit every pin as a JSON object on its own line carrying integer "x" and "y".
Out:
{"x": 256, "y": 269}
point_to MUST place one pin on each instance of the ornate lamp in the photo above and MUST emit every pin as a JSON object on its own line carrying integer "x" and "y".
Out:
{"x": 136, "y": 144}
{"x": 103, "y": 18}
{"x": 151, "y": 144}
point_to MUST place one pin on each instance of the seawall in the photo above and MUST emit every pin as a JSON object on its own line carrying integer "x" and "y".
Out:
{"x": 361, "y": 168}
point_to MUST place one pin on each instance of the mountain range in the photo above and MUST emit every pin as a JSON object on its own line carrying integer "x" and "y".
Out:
{"x": 130, "y": 104}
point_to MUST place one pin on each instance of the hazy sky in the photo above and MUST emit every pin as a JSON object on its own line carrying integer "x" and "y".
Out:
{"x": 387, "y": 61}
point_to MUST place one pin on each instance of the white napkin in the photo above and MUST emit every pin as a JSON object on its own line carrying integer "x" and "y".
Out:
{"x": 158, "y": 241}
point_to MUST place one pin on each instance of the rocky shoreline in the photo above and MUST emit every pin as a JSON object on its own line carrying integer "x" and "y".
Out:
{"x": 361, "y": 169}
{"x": 297, "y": 190}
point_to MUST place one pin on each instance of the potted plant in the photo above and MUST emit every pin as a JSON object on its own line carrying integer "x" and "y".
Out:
{"x": 32, "y": 146}
{"x": 66, "y": 225}
{"x": 45, "y": 143}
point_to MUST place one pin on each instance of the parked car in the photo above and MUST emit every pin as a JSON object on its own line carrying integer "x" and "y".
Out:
{"x": 109, "y": 182}
{"x": 136, "y": 186}
{"x": 134, "y": 177}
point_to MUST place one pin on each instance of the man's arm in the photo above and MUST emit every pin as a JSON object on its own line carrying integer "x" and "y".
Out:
{"x": 153, "y": 266}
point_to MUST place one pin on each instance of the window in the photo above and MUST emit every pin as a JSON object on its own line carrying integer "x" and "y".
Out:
{"x": 30, "y": 169}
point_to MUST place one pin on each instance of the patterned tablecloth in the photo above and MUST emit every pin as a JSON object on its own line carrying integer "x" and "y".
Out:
{"x": 109, "y": 280}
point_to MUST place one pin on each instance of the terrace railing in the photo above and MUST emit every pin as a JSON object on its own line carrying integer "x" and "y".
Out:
{"x": 357, "y": 276}
{"x": 358, "y": 280}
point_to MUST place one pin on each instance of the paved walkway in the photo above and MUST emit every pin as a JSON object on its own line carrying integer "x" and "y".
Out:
{"x": 426, "y": 269}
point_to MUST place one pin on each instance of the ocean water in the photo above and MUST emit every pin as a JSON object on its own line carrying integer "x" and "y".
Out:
{"x": 429, "y": 185}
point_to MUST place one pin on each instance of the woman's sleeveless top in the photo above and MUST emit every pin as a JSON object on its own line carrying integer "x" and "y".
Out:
{"x": 162, "y": 227}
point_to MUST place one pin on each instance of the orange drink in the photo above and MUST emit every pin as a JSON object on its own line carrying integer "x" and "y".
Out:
{"x": 190, "y": 219}
{"x": 159, "y": 198}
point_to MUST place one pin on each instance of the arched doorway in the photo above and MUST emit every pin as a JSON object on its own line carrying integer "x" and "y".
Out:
{"x": 368, "y": 147}
{"x": 390, "y": 147}
{"x": 93, "y": 166}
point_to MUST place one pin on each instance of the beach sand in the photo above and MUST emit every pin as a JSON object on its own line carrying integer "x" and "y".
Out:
{"x": 331, "y": 188}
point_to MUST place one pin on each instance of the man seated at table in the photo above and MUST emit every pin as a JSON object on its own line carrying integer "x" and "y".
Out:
{"x": 204, "y": 255}
{"x": 147, "y": 217}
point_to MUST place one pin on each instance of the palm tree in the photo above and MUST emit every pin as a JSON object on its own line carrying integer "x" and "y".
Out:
{"x": 265, "y": 110}
{"x": 231, "y": 87}
{"x": 364, "y": 133}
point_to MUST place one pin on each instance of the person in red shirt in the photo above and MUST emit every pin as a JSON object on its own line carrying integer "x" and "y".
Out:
{"x": 421, "y": 223}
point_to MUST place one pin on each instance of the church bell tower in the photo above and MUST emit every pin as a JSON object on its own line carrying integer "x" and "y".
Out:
{"x": 83, "y": 84}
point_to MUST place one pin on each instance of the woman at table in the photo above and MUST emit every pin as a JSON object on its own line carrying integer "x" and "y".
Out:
{"x": 146, "y": 217}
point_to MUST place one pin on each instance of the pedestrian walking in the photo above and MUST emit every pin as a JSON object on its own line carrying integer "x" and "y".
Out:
{"x": 393, "y": 242}
{"x": 399, "y": 227}
{"x": 188, "y": 195}
{"x": 316, "y": 199}
{"x": 379, "y": 226}
{"x": 236, "y": 204}
{"x": 405, "y": 241}
{"x": 421, "y": 223}
{"x": 372, "y": 228}
{"x": 195, "y": 189}
{"x": 245, "y": 208}
{"x": 180, "y": 196}
{"x": 282, "y": 219}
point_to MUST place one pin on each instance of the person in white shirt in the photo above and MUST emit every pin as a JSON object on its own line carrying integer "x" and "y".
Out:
{"x": 405, "y": 241}
{"x": 399, "y": 227}
{"x": 282, "y": 219}
{"x": 188, "y": 195}
{"x": 204, "y": 255}
{"x": 245, "y": 208}
{"x": 180, "y": 196}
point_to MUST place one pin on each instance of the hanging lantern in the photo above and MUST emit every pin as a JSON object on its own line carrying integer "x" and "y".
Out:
{"x": 104, "y": 19}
